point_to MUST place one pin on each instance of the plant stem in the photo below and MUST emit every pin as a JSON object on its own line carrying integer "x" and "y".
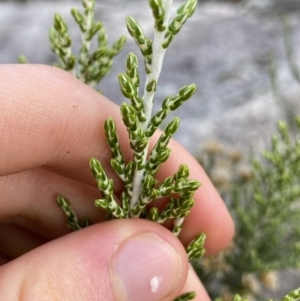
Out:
{"x": 158, "y": 54}
{"x": 86, "y": 43}
{"x": 157, "y": 60}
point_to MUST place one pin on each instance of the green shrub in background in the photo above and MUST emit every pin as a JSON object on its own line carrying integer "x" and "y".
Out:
{"x": 264, "y": 198}
{"x": 264, "y": 201}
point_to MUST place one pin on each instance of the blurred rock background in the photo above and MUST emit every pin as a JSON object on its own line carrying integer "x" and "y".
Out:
{"x": 229, "y": 49}
{"x": 225, "y": 49}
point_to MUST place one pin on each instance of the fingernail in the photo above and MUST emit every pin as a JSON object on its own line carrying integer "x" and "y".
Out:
{"x": 147, "y": 268}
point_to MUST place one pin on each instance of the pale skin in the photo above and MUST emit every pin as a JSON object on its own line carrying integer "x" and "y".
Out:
{"x": 51, "y": 125}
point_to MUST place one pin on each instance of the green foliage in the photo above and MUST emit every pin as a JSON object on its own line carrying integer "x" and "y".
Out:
{"x": 73, "y": 222}
{"x": 265, "y": 206}
{"x": 186, "y": 297}
{"x": 90, "y": 66}
{"x": 294, "y": 295}
{"x": 138, "y": 175}
{"x": 266, "y": 198}
{"x": 275, "y": 193}
{"x": 183, "y": 13}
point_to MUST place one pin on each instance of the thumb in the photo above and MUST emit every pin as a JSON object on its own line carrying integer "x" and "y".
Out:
{"x": 117, "y": 260}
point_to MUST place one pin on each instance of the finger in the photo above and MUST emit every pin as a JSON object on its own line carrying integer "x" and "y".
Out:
{"x": 62, "y": 128}
{"x": 193, "y": 284}
{"x": 49, "y": 118}
{"x": 39, "y": 217}
{"x": 117, "y": 260}
{"x": 15, "y": 241}
{"x": 33, "y": 205}
{"x": 4, "y": 258}
{"x": 209, "y": 214}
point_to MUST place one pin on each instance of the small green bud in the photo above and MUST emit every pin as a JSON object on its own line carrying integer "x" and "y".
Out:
{"x": 129, "y": 116}
{"x": 109, "y": 125}
{"x": 153, "y": 214}
{"x": 158, "y": 118}
{"x": 132, "y": 61}
{"x": 183, "y": 172}
{"x": 140, "y": 144}
{"x": 188, "y": 7}
{"x": 137, "y": 33}
{"x": 167, "y": 187}
{"x": 137, "y": 103}
{"x": 53, "y": 36}
{"x": 63, "y": 202}
{"x": 98, "y": 54}
{"x": 148, "y": 184}
{"x": 126, "y": 85}
{"x": 134, "y": 29}
{"x": 187, "y": 92}
{"x": 186, "y": 206}
{"x": 22, "y": 59}
{"x": 196, "y": 248}
{"x": 151, "y": 86}
{"x": 71, "y": 62}
{"x": 117, "y": 166}
{"x": 194, "y": 185}
{"x": 167, "y": 40}
{"x": 166, "y": 103}
{"x": 158, "y": 14}
{"x": 96, "y": 167}
{"x": 164, "y": 155}
{"x": 154, "y": 193}
{"x": 282, "y": 126}
{"x": 180, "y": 185}
{"x": 94, "y": 30}
{"x": 186, "y": 297}
{"x": 119, "y": 45}
{"x": 177, "y": 23}
{"x": 101, "y": 203}
{"x": 132, "y": 69}
{"x": 104, "y": 184}
{"x": 78, "y": 18}
{"x": 102, "y": 38}
{"x": 59, "y": 24}
{"x": 148, "y": 51}
{"x": 172, "y": 126}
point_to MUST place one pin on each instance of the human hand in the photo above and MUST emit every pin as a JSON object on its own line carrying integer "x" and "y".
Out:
{"x": 51, "y": 125}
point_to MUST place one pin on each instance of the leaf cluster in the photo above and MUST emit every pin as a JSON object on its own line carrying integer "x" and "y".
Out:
{"x": 89, "y": 66}
{"x": 141, "y": 188}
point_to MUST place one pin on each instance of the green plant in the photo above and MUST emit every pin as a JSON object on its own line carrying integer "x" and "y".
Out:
{"x": 265, "y": 206}
{"x": 90, "y": 66}
{"x": 138, "y": 175}
{"x": 267, "y": 183}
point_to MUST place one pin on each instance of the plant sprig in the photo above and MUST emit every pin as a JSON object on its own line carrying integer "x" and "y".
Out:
{"x": 138, "y": 175}
{"x": 90, "y": 66}
{"x": 264, "y": 202}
